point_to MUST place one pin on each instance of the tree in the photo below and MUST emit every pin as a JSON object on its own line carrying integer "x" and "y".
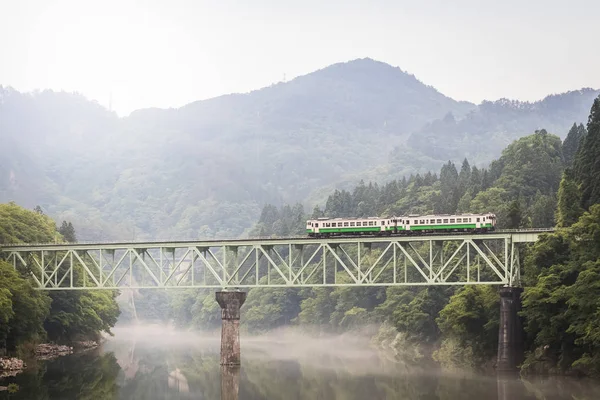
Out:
{"x": 68, "y": 232}
{"x": 61, "y": 315}
{"x": 569, "y": 199}
{"x": 449, "y": 194}
{"x": 22, "y": 309}
{"x": 587, "y": 160}
{"x": 561, "y": 302}
{"x": 514, "y": 215}
{"x": 571, "y": 144}
{"x": 471, "y": 317}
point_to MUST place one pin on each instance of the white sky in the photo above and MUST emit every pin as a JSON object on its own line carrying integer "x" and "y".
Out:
{"x": 168, "y": 53}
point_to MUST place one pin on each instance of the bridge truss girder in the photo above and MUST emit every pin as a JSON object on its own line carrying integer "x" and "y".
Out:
{"x": 393, "y": 261}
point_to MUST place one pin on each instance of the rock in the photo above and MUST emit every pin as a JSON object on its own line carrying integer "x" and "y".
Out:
{"x": 90, "y": 344}
{"x": 11, "y": 364}
{"x": 47, "y": 351}
{"x": 11, "y": 367}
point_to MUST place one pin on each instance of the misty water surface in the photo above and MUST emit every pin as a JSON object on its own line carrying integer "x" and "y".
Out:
{"x": 157, "y": 363}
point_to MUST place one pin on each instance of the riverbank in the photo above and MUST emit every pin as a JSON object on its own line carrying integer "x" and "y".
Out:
{"x": 11, "y": 366}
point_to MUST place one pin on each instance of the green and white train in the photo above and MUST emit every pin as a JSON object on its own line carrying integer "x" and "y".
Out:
{"x": 406, "y": 225}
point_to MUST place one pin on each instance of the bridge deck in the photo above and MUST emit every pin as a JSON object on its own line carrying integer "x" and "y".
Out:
{"x": 437, "y": 259}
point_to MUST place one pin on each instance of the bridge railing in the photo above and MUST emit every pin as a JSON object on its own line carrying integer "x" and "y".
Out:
{"x": 178, "y": 241}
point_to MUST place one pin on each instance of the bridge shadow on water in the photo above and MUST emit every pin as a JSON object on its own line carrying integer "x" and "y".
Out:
{"x": 186, "y": 366}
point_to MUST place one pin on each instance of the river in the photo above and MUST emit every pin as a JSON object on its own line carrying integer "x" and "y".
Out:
{"x": 157, "y": 363}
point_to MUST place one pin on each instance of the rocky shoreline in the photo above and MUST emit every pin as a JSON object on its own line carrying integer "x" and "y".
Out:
{"x": 11, "y": 366}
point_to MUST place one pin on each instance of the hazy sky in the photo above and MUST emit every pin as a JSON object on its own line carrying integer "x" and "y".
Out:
{"x": 168, "y": 53}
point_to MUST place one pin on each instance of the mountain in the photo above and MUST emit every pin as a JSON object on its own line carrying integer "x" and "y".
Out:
{"x": 206, "y": 169}
{"x": 483, "y": 132}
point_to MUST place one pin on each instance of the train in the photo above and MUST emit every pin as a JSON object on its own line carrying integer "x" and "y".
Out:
{"x": 403, "y": 225}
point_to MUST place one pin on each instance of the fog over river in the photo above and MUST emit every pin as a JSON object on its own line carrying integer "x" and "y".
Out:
{"x": 152, "y": 362}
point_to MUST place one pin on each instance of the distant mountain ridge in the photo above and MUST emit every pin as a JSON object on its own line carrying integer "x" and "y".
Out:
{"x": 495, "y": 124}
{"x": 206, "y": 169}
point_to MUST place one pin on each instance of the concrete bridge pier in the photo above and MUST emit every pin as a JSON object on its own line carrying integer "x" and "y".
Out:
{"x": 230, "y": 382}
{"x": 230, "y": 303}
{"x": 510, "y": 335}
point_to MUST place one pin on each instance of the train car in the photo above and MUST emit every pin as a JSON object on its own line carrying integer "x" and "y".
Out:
{"x": 405, "y": 225}
{"x": 350, "y": 226}
{"x": 449, "y": 223}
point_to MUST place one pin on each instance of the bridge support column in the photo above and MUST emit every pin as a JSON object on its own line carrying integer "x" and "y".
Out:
{"x": 230, "y": 303}
{"x": 230, "y": 382}
{"x": 510, "y": 335}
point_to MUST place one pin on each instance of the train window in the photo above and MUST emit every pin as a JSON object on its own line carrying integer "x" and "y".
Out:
{"x": 477, "y": 219}
{"x": 445, "y": 220}
{"x": 415, "y": 222}
{"x": 371, "y": 223}
{"x": 316, "y": 225}
{"x": 458, "y": 219}
{"x": 345, "y": 224}
{"x": 382, "y": 223}
{"x": 452, "y": 220}
{"x": 351, "y": 223}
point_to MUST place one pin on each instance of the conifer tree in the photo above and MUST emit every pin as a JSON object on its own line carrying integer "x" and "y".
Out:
{"x": 587, "y": 160}
{"x": 569, "y": 198}
{"x": 572, "y": 141}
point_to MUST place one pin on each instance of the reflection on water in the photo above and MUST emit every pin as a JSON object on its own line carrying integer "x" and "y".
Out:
{"x": 159, "y": 364}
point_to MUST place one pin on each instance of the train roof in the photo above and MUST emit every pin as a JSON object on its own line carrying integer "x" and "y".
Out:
{"x": 402, "y": 216}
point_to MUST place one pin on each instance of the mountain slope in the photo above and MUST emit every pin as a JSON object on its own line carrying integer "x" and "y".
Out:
{"x": 206, "y": 169}
{"x": 483, "y": 132}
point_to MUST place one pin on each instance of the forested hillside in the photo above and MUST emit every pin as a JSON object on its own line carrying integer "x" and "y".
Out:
{"x": 535, "y": 183}
{"x": 494, "y": 124}
{"x": 29, "y": 316}
{"x": 207, "y": 168}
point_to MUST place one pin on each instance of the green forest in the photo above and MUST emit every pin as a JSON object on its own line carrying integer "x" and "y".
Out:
{"x": 539, "y": 181}
{"x": 28, "y": 316}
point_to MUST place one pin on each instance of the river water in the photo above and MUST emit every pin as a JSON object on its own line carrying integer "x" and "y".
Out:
{"x": 155, "y": 363}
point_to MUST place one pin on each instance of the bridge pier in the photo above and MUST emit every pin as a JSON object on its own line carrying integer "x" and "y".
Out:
{"x": 510, "y": 335}
{"x": 230, "y": 382}
{"x": 230, "y": 303}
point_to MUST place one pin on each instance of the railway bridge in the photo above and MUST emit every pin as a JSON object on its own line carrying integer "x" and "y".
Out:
{"x": 230, "y": 266}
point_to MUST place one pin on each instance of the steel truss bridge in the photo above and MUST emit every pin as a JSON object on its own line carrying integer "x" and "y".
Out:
{"x": 450, "y": 259}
